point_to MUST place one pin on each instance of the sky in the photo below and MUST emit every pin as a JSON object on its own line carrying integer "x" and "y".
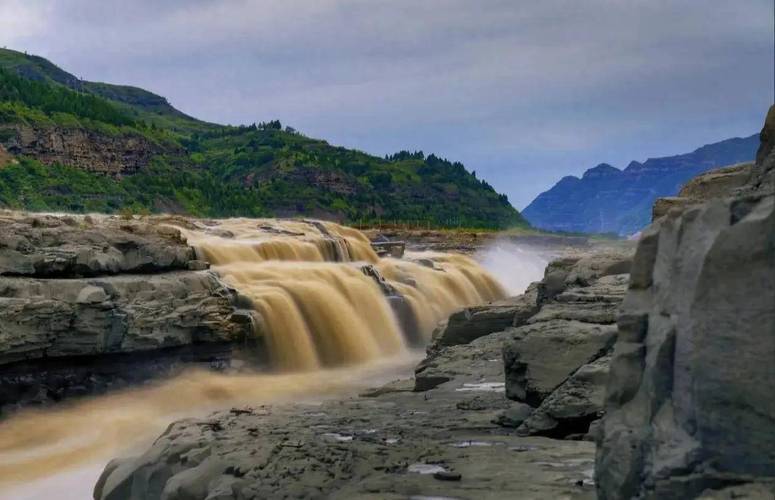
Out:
{"x": 523, "y": 92}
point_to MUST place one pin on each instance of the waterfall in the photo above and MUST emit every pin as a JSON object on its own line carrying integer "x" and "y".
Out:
{"x": 325, "y": 308}
{"x": 316, "y": 306}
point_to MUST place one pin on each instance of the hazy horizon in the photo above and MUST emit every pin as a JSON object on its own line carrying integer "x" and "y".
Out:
{"x": 518, "y": 93}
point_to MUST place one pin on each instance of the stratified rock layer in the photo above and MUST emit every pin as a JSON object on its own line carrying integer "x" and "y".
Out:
{"x": 80, "y": 310}
{"x": 689, "y": 403}
{"x": 116, "y": 155}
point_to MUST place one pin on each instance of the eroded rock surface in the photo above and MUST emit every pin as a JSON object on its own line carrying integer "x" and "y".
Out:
{"x": 557, "y": 360}
{"x": 48, "y": 246}
{"x": 114, "y": 154}
{"x": 689, "y": 410}
{"x": 449, "y": 433}
{"x": 92, "y": 302}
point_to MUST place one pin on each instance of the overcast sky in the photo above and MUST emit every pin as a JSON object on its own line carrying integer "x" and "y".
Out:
{"x": 522, "y": 91}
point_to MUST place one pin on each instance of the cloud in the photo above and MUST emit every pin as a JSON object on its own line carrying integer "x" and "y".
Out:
{"x": 523, "y": 92}
{"x": 22, "y": 20}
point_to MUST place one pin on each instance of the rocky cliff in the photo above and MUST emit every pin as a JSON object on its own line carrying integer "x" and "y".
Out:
{"x": 608, "y": 200}
{"x": 89, "y": 303}
{"x": 689, "y": 409}
{"x": 114, "y": 154}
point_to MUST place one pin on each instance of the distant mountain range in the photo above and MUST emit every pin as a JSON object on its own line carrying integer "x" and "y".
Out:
{"x": 609, "y": 200}
{"x": 71, "y": 145}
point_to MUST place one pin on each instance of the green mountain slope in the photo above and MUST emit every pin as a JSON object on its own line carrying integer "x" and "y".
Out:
{"x": 86, "y": 146}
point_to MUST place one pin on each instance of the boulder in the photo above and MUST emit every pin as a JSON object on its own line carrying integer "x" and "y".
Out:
{"x": 573, "y": 405}
{"x": 689, "y": 405}
{"x": 471, "y": 323}
{"x": 541, "y": 356}
{"x": 470, "y": 362}
{"x": 591, "y": 267}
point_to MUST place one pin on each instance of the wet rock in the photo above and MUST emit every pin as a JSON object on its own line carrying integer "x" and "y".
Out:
{"x": 414, "y": 447}
{"x": 688, "y": 405}
{"x": 198, "y": 265}
{"x": 45, "y": 323}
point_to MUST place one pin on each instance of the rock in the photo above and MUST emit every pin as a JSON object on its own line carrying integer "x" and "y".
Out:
{"x": 573, "y": 405}
{"x": 713, "y": 184}
{"x": 396, "y": 445}
{"x": 43, "y": 323}
{"x": 48, "y": 246}
{"x": 447, "y": 476}
{"x": 473, "y": 322}
{"x": 598, "y": 265}
{"x": 467, "y": 362}
{"x": 750, "y": 491}
{"x": 667, "y": 203}
{"x": 113, "y": 154}
{"x": 609, "y": 288}
{"x": 689, "y": 405}
{"x": 514, "y": 415}
{"x": 91, "y": 295}
{"x": 716, "y": 183}
{"x": 588, "y": 312}
{"x": 198, "y": 265}
{"x": 542, "y": 355}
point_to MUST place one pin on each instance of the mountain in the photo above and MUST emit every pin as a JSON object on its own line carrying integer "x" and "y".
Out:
{"x": 609, "y": 200}
{"x": 73, "y": 145}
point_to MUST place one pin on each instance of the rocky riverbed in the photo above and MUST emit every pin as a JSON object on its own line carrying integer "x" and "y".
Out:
{"x": 448, "y": 432}
{"x": 671, "y": 385}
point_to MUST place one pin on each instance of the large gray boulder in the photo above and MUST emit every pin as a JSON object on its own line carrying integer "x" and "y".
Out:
{"x": 470, "y": 323}
{"x": 543, "y": 355}
{"x": 689, "y": 403}
{"x": 570, "y": 408}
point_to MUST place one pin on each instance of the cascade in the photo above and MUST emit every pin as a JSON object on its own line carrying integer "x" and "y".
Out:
{"x": 317, "y": 306}
{"x": 323, "y": 303}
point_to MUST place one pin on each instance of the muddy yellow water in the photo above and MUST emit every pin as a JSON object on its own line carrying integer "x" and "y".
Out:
{"x": 327, "y": 326}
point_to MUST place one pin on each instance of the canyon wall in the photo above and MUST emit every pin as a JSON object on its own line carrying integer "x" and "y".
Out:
{"x": 689, "y": 405}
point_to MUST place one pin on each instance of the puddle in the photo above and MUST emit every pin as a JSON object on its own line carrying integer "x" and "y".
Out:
{"x": 467, "y": 444}
{"x": 426, "y": 468}
{"x": 483, "y": 387}
{"x": 337, "y": 436}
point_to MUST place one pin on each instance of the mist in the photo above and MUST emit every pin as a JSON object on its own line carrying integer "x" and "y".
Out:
{"x": 514, "y": 266}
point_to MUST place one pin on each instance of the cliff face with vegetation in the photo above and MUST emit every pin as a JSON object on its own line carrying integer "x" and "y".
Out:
{"x": 608, "y": 200}
{"x": 81, "y": 146}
